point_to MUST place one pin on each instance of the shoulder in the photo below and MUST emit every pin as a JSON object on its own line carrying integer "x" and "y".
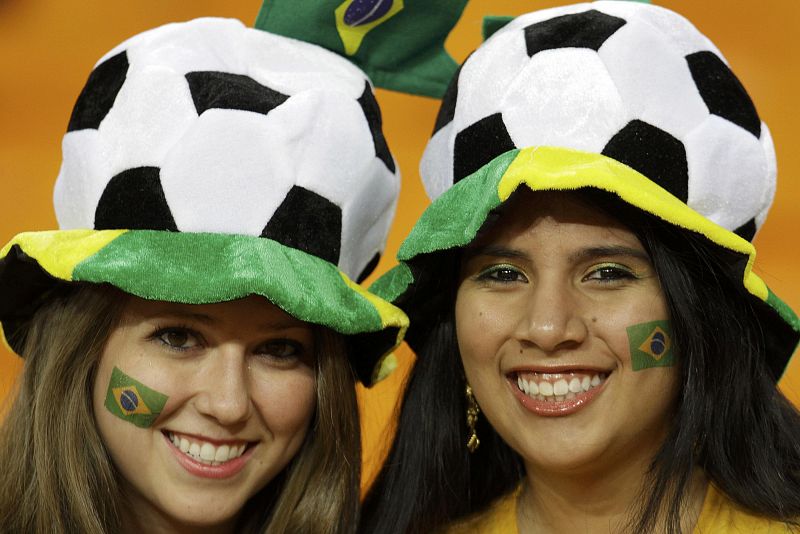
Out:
{"x": 499, "y": 518}
{"x": 721, "y": 516}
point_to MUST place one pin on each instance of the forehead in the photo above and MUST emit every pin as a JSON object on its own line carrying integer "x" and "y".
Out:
{"x": 560, "y": 217}
{"x": 254, "y": 311}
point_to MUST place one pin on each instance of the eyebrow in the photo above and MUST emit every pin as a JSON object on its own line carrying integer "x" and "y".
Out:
{"x": 185, "y": 315}
{"x": 584, "y": 254}
{"x": 495, "y": 251}
{"x": 279, "y": 324}
{"x": 614, "y": 250}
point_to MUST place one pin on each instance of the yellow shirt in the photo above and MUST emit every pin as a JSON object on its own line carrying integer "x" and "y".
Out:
{"x": 719, "y": 516}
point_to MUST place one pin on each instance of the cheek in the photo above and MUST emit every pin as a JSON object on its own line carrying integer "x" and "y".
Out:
{"x": 612, "y": 324}
{"x": 483, "y": 328}
{"x": 482, "y": 324}
{"x": 286, "y": 401}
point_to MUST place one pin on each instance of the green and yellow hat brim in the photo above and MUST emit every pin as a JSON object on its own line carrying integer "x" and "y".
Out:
{"x": 200, "y": 268}
{"x": 454, "y": 219}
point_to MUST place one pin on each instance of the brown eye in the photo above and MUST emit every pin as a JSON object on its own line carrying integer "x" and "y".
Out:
{"x": 610, "y": 273}
{"x": 282, "y": 349}
{"x": 502, "y": 274}
{"x": 176, "y": 338}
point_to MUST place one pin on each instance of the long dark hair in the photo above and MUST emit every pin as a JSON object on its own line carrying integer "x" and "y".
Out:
{"x": 730, "y": 418}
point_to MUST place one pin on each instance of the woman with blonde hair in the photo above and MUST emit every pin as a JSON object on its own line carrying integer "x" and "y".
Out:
{"x": 191, "y": 334}
{"x": 595, "y": 352}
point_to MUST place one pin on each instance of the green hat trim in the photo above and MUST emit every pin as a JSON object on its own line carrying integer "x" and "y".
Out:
{"x": 454, "y": 219}
{"x": 199, "y": 268}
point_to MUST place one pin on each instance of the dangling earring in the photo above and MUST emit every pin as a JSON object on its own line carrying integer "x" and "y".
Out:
{"x": 472, "y": 417}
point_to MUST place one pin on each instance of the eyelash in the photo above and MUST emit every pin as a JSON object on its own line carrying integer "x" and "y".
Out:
{"x": 489, "y": 275}
{"x": 297, "y": 349}
{"x": 190, "y": 334}
{"x": 619, "y": 273}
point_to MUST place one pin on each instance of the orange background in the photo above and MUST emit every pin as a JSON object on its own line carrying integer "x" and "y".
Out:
{"x": 47, "y": 50}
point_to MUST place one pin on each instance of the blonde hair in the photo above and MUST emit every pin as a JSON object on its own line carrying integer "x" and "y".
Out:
{"x": 57, "y": 476}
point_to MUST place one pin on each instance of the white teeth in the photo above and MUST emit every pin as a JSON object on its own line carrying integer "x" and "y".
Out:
{"x": 523, "y": 384}
{"x": 222, "y": 453}
{"x": 560, "y": 389}
{"x": 586, "y": 383}
{"x": 575, "y": 385}
{"x": 206, "y": 452}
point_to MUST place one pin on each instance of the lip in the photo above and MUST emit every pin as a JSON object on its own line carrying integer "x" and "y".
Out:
{"x": 199, "y": 469}
{"x": 556, "y": 408}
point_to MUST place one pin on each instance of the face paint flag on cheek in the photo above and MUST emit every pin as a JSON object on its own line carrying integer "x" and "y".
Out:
{"x": 651, "y": 345}
{"x": 132, "y": 401}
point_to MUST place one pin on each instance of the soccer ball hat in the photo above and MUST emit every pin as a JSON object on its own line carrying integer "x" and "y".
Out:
{"x": 624, "y": 97}
{"x": 204, "y": 162}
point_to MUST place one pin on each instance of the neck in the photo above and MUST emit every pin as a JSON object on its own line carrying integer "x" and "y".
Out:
{"x": 594, "y": 501}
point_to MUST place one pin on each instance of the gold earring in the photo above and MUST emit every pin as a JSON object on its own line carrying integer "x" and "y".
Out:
{"x": 472, "y": 417}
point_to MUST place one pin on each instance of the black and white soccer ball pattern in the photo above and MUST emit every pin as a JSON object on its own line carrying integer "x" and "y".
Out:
{"x": 209, "y": 126}
{"x": 633, "y": 81}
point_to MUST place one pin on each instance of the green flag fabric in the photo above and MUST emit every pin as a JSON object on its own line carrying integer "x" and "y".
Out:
{"x": 398, "y": 43}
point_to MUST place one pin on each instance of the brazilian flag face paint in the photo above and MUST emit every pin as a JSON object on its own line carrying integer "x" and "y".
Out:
{"x": 651, "y": 345}
{"x": 132, "y": 401}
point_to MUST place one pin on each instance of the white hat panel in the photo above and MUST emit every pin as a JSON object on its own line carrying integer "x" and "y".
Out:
{"x": 152, "y": 111}
{"x": 292, "y": 66}
{"x": 199, "y": 45}
{"x": 436, "y": 166}
{"x": 771, "y": 177}
{"x": 485, "y": 77}
{"x": 719, "y": 182}
{"x": 81, "y": 179}
{"x": 366, "y": 218}
{"x": 653, "y": 81}
{"x": 564, "y": 97}
{"x": 228, "y": 174}
{"x": 681, "y": 34}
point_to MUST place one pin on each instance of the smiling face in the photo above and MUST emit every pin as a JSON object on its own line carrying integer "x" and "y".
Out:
{"x": 542, "y": 313}
{"x": 240, "y": 386}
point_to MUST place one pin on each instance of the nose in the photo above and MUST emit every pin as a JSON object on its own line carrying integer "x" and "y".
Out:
{"x": 223, "y": 386}
{"x": 551, "y": 318}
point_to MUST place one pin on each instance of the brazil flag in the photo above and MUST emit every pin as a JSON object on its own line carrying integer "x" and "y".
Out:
{"x": 132, "y": 401}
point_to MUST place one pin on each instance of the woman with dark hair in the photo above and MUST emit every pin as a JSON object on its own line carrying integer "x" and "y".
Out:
{"x": 595, "y": 352}
{"x": 192, "y": 335}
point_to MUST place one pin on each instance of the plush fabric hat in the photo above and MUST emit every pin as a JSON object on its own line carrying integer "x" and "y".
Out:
{"x": 624, "y": 97}
{"x": 206, "y": 161}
